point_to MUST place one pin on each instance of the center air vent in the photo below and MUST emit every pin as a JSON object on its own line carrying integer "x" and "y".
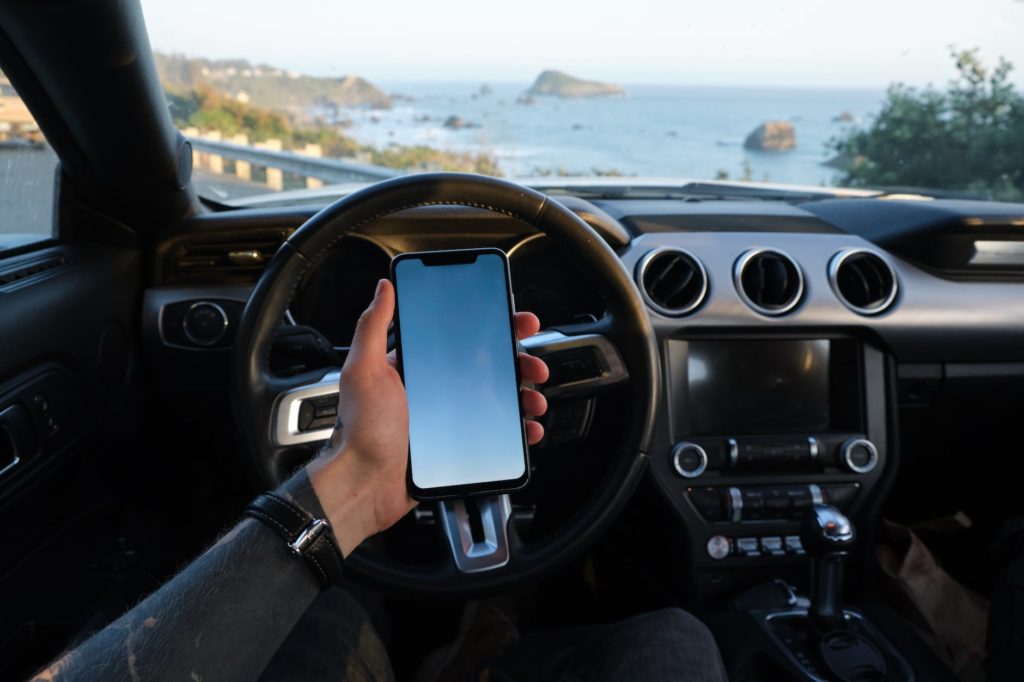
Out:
{"x": 768, "y": 281}
{"x": 672, "y": 281}
{"x": 863, "y": 281}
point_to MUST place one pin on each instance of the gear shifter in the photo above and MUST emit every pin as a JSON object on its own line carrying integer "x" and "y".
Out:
{"x": 827, "y": 535}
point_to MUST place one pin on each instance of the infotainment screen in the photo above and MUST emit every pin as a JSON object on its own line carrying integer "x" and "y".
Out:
{"x": 759, "y": 386}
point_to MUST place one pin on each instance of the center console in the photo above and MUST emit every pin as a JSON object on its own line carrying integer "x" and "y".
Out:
{"x": 758, "y": 430}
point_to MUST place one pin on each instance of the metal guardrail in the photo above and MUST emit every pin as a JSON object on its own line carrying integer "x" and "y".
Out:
{"x": 332, "y": 171}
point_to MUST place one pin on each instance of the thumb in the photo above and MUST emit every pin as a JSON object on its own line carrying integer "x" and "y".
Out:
{"x": 371, "y": 335}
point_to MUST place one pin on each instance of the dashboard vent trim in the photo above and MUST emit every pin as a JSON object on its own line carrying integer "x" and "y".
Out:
{"x": 234, "y": 256}
{"x": 672, "y": 281}
{"x": 864, "y": 281}
{"x": 769, "y": 281}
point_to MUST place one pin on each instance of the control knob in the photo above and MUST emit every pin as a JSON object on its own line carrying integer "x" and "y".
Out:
{"x": 689, "y": 459}
{"x": 858, "y": 455}
{"x": 204, "y": 323}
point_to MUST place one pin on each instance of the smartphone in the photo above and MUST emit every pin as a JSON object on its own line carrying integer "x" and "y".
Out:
{"x": 457, "y": 354}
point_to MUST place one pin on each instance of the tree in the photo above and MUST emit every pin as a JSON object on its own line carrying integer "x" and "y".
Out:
{"x": 969, "y": 137}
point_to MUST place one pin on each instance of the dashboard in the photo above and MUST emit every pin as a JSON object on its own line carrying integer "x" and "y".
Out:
{"x": 789, "y": 335}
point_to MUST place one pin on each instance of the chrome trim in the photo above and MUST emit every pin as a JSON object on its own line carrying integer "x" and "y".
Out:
{"x": 641, "y": 268}
{"x": 816, "y": 496}
{"x": 286, "y": 411}
{"x": 837, "y": 261}
{"x": 310, "y": 534}
{"x": 736, "y": 499}
{"x": 471, "y": 556}
{"x": 734, "y": 453}
{"x": 848, "y": 446}
{"x": 223, "y": 329}
{"x": 715, "y": 541}
{"x": 737, "y": 278}
{"x": 9, "y": 466}
{"x": 613, "y": 372}
{"x": 678, "y": 451}
{"x": 522, "y": 243}
{"x": 835, "y": 527}
{"x": 812, "y": 445}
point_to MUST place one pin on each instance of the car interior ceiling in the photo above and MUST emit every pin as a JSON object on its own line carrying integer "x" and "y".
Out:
{"x": 124, "y": 413}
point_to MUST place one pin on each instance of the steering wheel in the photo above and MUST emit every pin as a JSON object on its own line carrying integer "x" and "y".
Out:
{"x": 268, "y": 408}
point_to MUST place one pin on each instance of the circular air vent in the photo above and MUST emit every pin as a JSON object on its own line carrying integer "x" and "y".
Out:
{"x": 769, "y": 281}
{"x": 672, "y": 281}
{"x": 862, "y": 280}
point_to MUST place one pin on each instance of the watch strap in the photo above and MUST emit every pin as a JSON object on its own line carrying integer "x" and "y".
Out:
{"x": 307, "y": 537}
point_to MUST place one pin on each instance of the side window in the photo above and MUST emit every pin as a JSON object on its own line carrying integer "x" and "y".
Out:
{"x": 27, "y": 174}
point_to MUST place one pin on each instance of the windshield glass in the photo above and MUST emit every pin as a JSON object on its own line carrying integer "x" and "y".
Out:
{"x": 917, "y": 96}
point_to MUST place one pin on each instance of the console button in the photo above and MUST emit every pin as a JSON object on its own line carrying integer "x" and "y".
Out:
{"x": 753, "y": 505}
{"x": 204, "y": 323}
{"x": 689, "y": 459}
{"x": 858, "y": 455}
{"x": 710, "y": 503}
{"x": 776, "y": 503}
{"x": 793, "y": 544}
{"x": 719, "y": 547}
{"x": 841, "y": 496}
{"x": 772, "y": 546}
{"x": 748, "y": 547}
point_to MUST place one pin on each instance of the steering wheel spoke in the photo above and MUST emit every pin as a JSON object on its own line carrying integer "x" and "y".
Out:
{"x": 580, "y": 363}
{"x": 477, "y": 532}
{"x": 305, "y": 408}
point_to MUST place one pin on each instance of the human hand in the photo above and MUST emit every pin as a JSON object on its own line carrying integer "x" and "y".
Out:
{"x": 361, "y": 479}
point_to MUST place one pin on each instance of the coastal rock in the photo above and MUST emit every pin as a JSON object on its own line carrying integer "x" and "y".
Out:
{"x": 526, "y": 100}
{"x": 772, "y": 136}
{"x": 844, "y": 117}
{"x": 560, "y": 84}
{"x": 454, "y": 122}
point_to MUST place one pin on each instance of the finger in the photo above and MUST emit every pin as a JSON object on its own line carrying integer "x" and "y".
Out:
{"x": 534, "y": 432}
{"x": 534, "y": 404}
{"x": 371, "y": 336}
{"x": 532, "y": 370}
{"x": 527, "y": 325}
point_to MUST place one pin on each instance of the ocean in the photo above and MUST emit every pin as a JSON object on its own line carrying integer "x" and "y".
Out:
{"x": 655, "y": 131}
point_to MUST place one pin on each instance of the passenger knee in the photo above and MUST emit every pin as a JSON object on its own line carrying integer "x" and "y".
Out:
{"x": 678, "y": 625}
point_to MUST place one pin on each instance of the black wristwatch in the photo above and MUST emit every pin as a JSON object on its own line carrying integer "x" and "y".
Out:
{"x": 308, "y": 538}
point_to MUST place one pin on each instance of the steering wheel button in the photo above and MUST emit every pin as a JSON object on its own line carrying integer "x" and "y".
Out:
{"x": 719, "y": 547}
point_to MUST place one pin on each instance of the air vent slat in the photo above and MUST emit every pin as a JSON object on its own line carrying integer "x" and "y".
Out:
{"x": 769, "y": 281}
{"x": 863, "y": 281}
{"x": 221, "y": 258}
{"x": 672, "y": 281}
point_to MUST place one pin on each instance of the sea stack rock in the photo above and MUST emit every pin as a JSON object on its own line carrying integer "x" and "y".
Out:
{"x": 561, "y": 84}
{"x": 772, "y": 136}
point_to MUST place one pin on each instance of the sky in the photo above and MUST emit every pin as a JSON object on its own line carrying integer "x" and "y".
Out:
{"x": 728, "y": 42}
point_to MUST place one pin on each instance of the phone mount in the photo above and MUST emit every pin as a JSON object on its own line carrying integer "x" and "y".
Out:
{"x": 477, "y": 531}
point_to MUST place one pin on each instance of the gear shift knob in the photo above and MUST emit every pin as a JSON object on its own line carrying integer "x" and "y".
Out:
{"x": 827, "y": 535}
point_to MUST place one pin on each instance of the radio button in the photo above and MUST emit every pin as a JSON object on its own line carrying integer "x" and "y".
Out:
{"x": 772, "y": 546}
{"x": 748, "y": 547}
{"x": 793, "y": 544}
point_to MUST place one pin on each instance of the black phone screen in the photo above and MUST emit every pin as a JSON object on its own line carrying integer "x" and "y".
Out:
{"x": 457, "y": 352}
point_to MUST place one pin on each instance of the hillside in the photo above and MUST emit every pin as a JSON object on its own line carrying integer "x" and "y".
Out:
{"x": 267, "y": 86}
{"x": 561, "y": 84}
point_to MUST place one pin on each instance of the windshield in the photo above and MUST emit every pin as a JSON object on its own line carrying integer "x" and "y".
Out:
{"x": 917, "y": 96}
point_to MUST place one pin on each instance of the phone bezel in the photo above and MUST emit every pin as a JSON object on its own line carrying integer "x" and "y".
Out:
{"x": 461, "y": 257}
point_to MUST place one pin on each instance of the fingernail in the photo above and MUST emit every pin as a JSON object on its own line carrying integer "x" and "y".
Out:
{"x": 380, "y": 287}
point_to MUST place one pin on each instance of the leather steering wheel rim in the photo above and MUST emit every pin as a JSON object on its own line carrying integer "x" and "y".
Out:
{"x": 254, "y": 388}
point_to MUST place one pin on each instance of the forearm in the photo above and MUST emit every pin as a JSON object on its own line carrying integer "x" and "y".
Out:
{"x": 223, "y": 617}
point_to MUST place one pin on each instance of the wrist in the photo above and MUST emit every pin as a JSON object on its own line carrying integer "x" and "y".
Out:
{"x": 347, "y": 497}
